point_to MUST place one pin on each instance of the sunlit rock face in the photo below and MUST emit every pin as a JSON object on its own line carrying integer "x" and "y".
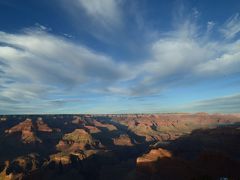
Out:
{"x": 16, "y": 169}
{"x": 147, "y": 163}
{"x": 79, "y": 144}
{"x": 27, "y": 130}
{"x": 123, "y": 140}
{"x": 78, "y": 120}
{"x": 42, "y": 126}
{"x": 153, "y": 156}
{"x": 79, "y": 139}
{"x": 98, "y": 124}
{"x": 92, "y": 129}
{"x": 26, "y": 125}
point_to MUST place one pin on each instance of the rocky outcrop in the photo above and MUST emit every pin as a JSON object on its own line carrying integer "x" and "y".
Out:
{"x": 148, "y": 163}
{"x": 27, "y": 130}
{"x": 9, "y": 176}
{"x": 66, "y": 158}
{"x": 122, "y": 140}
{"x": 99, "y": 124}
{"x": 92, "y": 129}
{"x": 78, "y": 144}
{"x": 153, "y": 156}
{"x": 78, "y": 120}
{"x": 26, "y": 125}
{"x": 21, "y": 166}
{"x": 42, "y": 126}
{"x": 79, "y": 139}
{"x": 30, "y": 137}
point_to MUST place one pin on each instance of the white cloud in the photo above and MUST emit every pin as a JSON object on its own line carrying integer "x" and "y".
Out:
{"x": 225, "y": 104}
{"x": 37, "y": 65}
{"x": 210, "y": 26}
{"x": 104, "y": 11}
{"x": 231, "y": 27}
{"x": 38, "y": 52}
{"x": 175, "y": 54}
{"x": 42, "y": 27}
{"x": 226, "y": 64}
{"x": 186, "y": 54}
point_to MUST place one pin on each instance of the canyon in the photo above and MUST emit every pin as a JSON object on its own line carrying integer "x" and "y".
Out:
{"x": 120, "y": 146}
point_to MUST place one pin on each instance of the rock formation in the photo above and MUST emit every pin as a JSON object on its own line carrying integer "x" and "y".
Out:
{"x": 27, "y": 130}
{"x": 122, "y": 140}
{"x": 153, "y": 156}
{"x": 92, "y": 129}
{"x": 98, "y": 124}
{"x": 41, "y": 126}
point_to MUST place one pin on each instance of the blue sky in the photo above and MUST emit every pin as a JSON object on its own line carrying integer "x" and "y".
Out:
{"x": 119, "y": 56}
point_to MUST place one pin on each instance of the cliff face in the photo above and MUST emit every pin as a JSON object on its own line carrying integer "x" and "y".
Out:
{"x": 42, "y": 126}
{"x": 28, "y": 130}
{"x": 78, "y": 120}
{"x": 79, "y": 139}
{"x": 123, "y": 140}
{"x": 153, "y": 156}
{"x": 108, "y": 126}
{"x": 26, "y": 125}
{"x": 78, "y": 143}
{"x": 92, "y": 129}
{"x": 16, "y": 169}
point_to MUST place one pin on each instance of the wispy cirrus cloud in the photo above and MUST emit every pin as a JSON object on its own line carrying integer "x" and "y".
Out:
{"x": 231, "y": 27}
{"x": 187, "y": 54}
{"x": 35, "y": 52}
{"x": 105, "y": 14}
{"x": 37, "y": 66}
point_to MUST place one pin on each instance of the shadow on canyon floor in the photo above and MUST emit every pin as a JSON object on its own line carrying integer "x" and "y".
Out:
{"x": 206, "y": 154}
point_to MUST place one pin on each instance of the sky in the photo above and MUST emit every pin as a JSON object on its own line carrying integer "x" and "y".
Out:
{"x": 119, "y": 56}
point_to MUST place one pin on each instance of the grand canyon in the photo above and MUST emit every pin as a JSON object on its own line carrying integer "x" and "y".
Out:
{"x": 120, "y": 90}
{"x": 120, "y": 146}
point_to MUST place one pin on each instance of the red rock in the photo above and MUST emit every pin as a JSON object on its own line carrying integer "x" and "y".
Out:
{"x": 154, "y": 155}
{"x": 77, "y": 120}
{"x": 79, "y": 139}
{"x": 92, "y": 129}
{"x": 122, "y": 140}
{"x": 110, "y": 127}
{"x": 41, "y": 126}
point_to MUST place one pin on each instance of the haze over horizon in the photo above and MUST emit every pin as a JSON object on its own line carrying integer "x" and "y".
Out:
{"x": 118, "y": 56}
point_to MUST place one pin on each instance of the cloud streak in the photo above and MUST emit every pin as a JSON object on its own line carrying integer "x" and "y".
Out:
{"x": 187, "y": 54}
{"x": 231, "y": 27}
{"x": 104, "y": 12}
{"x": 226, "y": 104}
{"x": 37, "y": 65}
